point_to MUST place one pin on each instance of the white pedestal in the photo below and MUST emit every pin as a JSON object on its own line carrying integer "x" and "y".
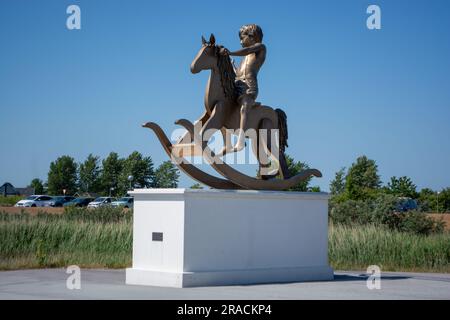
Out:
{"x": 187, "y": 237}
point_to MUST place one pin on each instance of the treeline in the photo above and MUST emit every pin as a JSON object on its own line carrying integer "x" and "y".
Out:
{"x": 362, "y": 182}
{"x": 359, "y": 198}
{"x": 110, "y": 176}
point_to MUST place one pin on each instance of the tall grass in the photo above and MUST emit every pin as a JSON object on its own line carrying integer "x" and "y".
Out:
{"x": 357, "y": 247}
{"x": 103, "y": 238}
{"x": 82, "y": 237}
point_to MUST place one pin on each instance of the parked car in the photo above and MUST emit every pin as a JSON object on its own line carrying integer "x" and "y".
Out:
{"x": 405, "y": 204}
{"x": 126, "y": 202}
{"x": 59, "y": 201}
{"x": 35, "y": 201}
{"x": 101, "y": 202}
{"x": 79, "y": 202}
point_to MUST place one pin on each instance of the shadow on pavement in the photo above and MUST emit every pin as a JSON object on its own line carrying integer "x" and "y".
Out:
{"x": 364, "y": 277}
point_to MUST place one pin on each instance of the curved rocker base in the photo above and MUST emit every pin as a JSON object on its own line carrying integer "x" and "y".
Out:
{"x": 189, "y": 169}
{"x": 234, "y": 179}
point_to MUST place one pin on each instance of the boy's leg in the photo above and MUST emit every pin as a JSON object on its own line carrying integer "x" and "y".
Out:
{"x": 247, "y": 102}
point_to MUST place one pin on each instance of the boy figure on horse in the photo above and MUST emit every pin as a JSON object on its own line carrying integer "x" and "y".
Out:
{"x": 254, "y": 53}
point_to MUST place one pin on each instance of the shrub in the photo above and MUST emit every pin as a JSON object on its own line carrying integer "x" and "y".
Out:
{"x": 9, "y": 201}
{"x": 383, "y": 210}
{"x": 418, "y": 222}
{"x": 102, "y": 214}
{"x": 350, "y": 211}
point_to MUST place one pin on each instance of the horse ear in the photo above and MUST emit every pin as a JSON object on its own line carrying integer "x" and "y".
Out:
{"x": 212, "y": 40}
{"x": 203, "y": 40}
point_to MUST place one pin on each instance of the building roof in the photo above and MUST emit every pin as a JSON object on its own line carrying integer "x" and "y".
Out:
{"x": 7, "y": 189}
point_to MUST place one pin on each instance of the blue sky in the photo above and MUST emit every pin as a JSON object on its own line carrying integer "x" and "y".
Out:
{"x": 347, "y": 90}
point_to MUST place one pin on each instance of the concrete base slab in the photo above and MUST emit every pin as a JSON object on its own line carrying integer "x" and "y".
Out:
{"x": 222, "y": 278}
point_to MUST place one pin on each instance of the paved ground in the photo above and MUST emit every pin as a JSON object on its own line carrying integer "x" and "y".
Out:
{"x": 110, "y": 284}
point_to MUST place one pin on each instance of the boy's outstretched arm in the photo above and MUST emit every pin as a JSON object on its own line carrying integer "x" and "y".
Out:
{"x": 245, "y": 51}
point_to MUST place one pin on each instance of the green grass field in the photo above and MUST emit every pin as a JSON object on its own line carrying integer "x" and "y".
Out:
{"x": 103, "y": 239}
{"x": 357, "y": 247}
{"x": 89, "y": 239}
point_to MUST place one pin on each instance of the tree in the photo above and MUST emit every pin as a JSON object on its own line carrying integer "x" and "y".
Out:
{"x": 62, "y": 176}
{"x": 196, "y": 186}
{"x": 38, "y": 186}
{"x": 402, "y": 187}
{"x": 427, "y": 200}
{"x": 444, "y": 200}
{"x": 89, "y": 175}
{"x": 167, "y": 175}
{"x": 337, "y": 186}
{"x": 139, "y": 169}
{"x": 432, "y": 201}
{"x": 110, "y": 175}
{"x": 295, "y": 168}
{"x": 362, "y": 179}
{"x": 314, "y": 189}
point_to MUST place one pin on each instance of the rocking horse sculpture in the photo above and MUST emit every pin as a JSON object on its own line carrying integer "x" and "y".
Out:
{"x": 224, "y": 113}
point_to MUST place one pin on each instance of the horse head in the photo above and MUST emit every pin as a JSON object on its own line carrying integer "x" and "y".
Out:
{"x": 206, "y": 57}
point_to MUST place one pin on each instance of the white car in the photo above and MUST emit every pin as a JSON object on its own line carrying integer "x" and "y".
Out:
{"x": 126, "y": 202}
{"x": 101, "y": 202}
{"x": 35, "y": 201}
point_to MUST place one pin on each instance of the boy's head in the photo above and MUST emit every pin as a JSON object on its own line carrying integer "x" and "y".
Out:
{"x": 250, "y": 34}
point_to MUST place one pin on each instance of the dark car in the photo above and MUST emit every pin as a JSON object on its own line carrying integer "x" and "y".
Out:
{"x": 406, "y": 204}
{"x": 78, "y": 202}
{"x": 59, "y": 201}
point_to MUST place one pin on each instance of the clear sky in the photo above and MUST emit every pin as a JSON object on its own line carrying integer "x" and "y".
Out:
{"x": 347, "y": 90}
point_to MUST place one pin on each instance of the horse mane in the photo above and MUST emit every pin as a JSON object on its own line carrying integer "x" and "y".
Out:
{"x": 227, "y": 74}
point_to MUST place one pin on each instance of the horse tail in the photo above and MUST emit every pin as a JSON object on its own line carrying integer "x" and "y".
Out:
{"x": 282, "y": 127}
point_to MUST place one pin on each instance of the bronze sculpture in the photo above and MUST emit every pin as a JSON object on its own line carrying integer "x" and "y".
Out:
{"x": 246, "y": 83}
{"x": 231, "y": 108}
